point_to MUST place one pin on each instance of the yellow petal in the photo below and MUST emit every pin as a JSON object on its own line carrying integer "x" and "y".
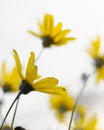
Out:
{"x": 93, "y": 51}
{"x": 61, "y": 35}
{"x": 4, "y": 72}
{"x": 44, "y": 25}
{"x": 30, "y": 63}
{"x": 18, "y": 63}
{"x": 64, "y": 41}
{"x": 14, "y": 82}
{"x": 31, "y": 71}
{"x": 34, "y": 34}
{"x": 32, "y": 74}
{"x": 45, "y": 83}
{"x": 52, "y": 90}
{"x": 49, "y": 24}
{"x": 56, "y": 29}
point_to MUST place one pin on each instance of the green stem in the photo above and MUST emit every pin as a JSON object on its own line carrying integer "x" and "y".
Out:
{"x": 39, "y": 54}
{"x": 75, "y": 105}
{"x": 9, "y": 110}
{"x": 15, "y": 111}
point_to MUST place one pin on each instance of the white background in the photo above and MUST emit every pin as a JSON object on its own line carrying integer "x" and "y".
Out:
{"x": 86, "y": 20}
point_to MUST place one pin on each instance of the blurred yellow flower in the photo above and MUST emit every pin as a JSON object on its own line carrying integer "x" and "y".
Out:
{"x": 9, "y": 81}
{"x": 82, "y": 122}
{"x": 51, "y": 34}
{"x": 94, "y": 52}
{"x": 47, "y": 85}
{"x": 6, "y": 127}
{"x": 61, "y": 104}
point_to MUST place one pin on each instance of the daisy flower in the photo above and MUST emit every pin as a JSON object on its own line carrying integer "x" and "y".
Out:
{"x": 98, "y": 58}
{"x": 83, "y": 122}
{"x": 61, "y": 104}
{"x": 7, "y": 81}
{"x": 51, "y": 34}
{"x": 46, "y": 85}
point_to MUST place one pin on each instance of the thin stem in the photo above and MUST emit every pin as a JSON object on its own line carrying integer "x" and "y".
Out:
{"x": 9, "y": 110}
{"x": 15, "y": 111}
{"x": 75, "y": 105}
{"x": 39, "y": 54}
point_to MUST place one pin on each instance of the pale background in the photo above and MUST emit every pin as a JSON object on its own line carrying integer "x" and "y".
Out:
{"x": 86, "y": 20}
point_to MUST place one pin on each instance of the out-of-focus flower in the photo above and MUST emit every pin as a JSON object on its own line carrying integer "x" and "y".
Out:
{"x": 94, "y": 52}
{"x": 46, "y": 85}
{"x": 61, "y": 104}
{"x": 82, "y": 122}
{"x": 6, "y": 127}
{"x": 9, "y": 81}
{"x": 51, "y": 34}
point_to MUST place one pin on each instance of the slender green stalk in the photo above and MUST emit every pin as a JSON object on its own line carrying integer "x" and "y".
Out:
{"x": 15, "y": 112}
{"x": 39, "y": 54}
{"x": 76, "y": 102}
{"x": 9, "y": 110}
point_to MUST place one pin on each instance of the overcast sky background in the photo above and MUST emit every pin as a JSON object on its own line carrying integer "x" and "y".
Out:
{"x": 86, "y": 20}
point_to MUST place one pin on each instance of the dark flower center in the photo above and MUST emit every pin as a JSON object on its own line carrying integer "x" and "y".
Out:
{"x": 25, "y": 87}
{"x": 6, "y": 88}
{"x": 98, "y": 62}
{"x": 47, "y": 41}
{"x": 62, "y": 108}
{"x": 19, "y": 128}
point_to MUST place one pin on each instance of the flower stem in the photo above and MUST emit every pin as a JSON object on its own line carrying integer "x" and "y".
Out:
{"x": 39, "y": 54}
{"x": 15, "y": 111}
{"x": 9, "y": 110}
{"x": 76, "y": 102}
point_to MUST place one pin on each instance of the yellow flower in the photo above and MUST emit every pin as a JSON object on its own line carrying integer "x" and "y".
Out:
{"x": 94, "y": 52}
{"x": 47, "y": 85}
{"x": 6, "y": 127}
{"x": 51, "y": 34}
{"x": 82, "y": 122}
{"x": 9, "y": 81}
{"x": 62, "y": 104}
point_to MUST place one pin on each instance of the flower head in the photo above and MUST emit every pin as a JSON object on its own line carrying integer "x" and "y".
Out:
{"x": 83, "y": 122}
{"x": 47, "y": 85}
{"x": 6, "y": 127}
{"x": 98, "y": 58}
{"x": 51, "y": 34}
{"x": 7, "y": 81}
{"x": 62, "y": 104}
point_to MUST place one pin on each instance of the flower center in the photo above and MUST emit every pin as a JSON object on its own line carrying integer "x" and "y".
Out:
{"x": 19, "y": 128}
{"x": 62, "y": 108}
{"x": 99, "y": 62}
{"x": 6, "y": 88}
{"x": 47, "y": 41}
{"x": 25, "y": 87}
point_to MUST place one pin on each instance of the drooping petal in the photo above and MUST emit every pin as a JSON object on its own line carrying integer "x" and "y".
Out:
{"x": 45, "y": 83}
{"x": 64, "y": 41}
{"x": 18, "y": 63}
{"x": 53, "y": 90}
{"x": 34, "y": 34}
